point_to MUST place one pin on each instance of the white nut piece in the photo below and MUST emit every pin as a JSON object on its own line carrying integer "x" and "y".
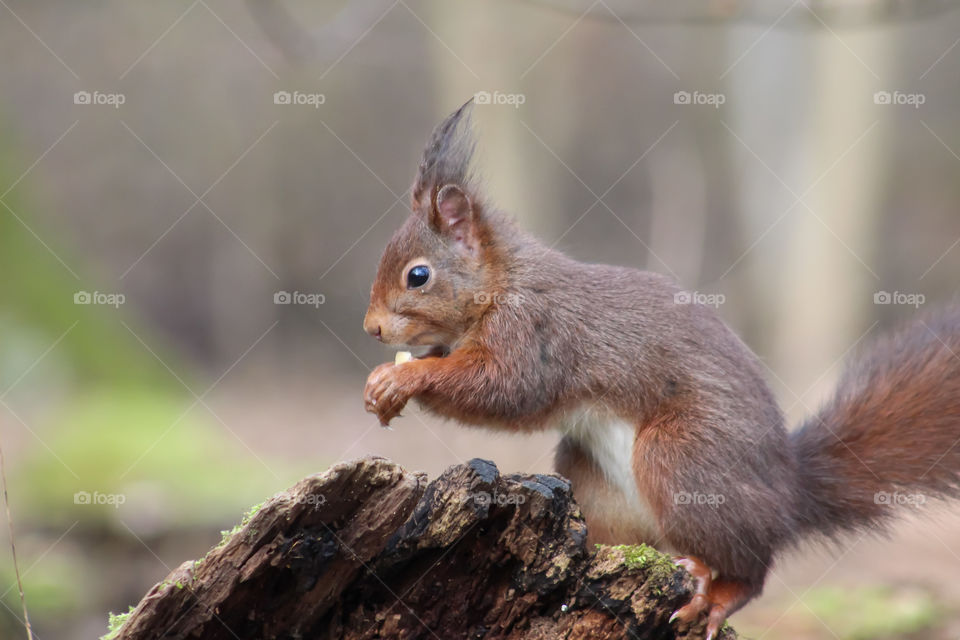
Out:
{"x": 402, "y": 356}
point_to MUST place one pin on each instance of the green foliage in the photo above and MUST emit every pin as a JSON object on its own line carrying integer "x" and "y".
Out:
{"x": 871, "y": 612}
{"x": 114, "y": 422}
{"x": 38, "y": 298}
{"x": 51, "y": 587}
{"x": 166, "y": 461}
{"x": 851, "y": 613}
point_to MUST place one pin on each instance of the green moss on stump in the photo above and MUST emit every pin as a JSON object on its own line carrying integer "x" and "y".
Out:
{"x": 638, "y": 556}
{"x": 226, "y": 534}
{"x": 116, "y": 620}
{"x": 115, "y": 623}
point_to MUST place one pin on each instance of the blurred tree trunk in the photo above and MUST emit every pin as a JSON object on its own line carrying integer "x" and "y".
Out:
{"x": 828, "y": 279}
{"x": 475, "y": 63}
{"x": 816, "y": 299}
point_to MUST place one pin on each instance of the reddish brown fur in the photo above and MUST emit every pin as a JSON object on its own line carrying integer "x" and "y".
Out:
{"x": 893, "y": 429}
{"x": 533, "y": 336}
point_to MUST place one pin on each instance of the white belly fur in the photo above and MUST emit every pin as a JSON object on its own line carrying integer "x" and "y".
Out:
{"x": 609, "y": 441}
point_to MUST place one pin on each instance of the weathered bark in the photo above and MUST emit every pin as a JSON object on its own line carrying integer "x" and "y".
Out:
{"x": 368, "y": 550}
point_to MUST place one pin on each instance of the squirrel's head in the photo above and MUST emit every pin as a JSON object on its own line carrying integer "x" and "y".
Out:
{"x": 430, "y": 285}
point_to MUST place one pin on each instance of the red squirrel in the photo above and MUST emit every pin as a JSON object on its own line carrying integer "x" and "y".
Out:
{"x": 670, "y": 434}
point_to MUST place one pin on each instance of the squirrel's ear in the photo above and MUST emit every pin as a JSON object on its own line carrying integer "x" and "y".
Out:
{"x": 452, "y": 217}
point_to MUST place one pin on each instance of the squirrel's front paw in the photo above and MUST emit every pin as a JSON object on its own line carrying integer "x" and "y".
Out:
{"x": 387, "y": 391}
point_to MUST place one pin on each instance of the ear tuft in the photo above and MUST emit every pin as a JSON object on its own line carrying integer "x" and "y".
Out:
{"x": 447, "y": 156}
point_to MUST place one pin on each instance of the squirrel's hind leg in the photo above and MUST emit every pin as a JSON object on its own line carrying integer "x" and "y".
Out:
{"x": 718, "y": 598}
{"x": 702, "y": 579}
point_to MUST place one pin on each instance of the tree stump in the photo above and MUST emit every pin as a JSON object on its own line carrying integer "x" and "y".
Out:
{"x": 369, "y": 550}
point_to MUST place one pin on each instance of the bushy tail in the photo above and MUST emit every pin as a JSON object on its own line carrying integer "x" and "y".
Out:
{"x": 889, "y": 440}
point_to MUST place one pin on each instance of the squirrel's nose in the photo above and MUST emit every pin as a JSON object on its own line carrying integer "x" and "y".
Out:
{"x": 373, "y": 328}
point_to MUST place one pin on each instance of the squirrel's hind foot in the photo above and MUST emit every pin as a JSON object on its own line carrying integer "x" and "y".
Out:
{"x": 718, "y": 598}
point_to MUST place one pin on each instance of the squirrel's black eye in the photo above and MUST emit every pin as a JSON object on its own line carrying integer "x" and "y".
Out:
{"x": 418, "y": 276}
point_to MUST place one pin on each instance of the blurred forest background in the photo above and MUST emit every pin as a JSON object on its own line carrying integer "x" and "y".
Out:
{"x": 795, "y": 161}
